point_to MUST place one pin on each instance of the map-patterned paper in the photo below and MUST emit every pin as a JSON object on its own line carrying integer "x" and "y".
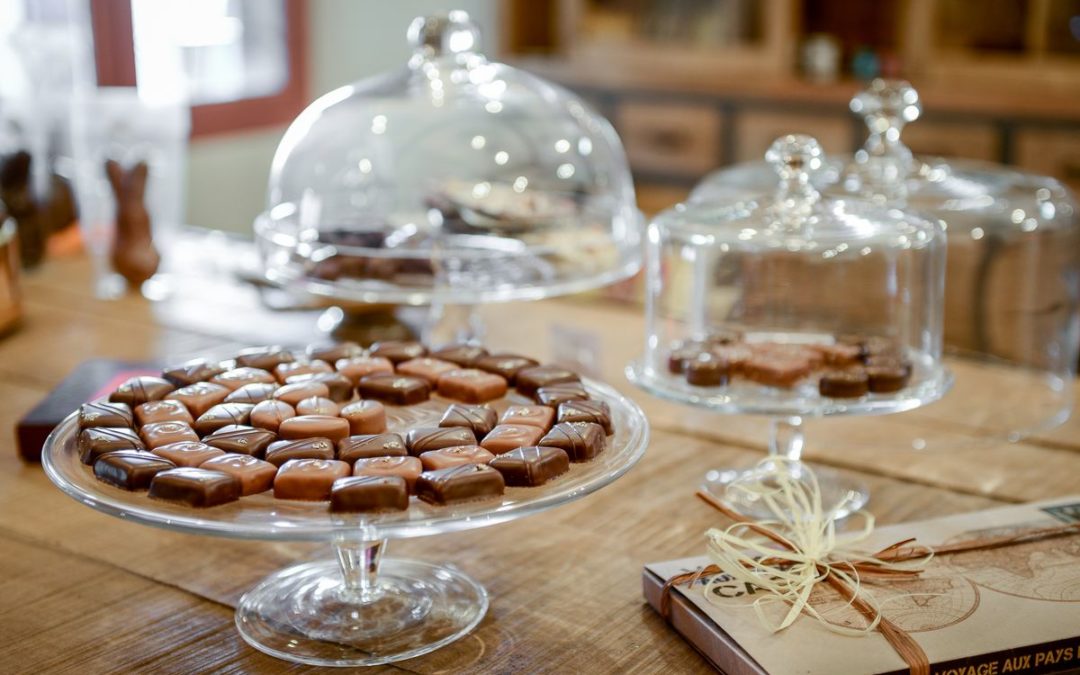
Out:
{"x": 979, "y": 612}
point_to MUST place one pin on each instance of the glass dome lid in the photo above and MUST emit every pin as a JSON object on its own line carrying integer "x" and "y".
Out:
{"x": 453, "y": 179}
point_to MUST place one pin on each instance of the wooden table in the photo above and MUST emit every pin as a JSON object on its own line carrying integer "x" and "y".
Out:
{"x": 83, "y": 592}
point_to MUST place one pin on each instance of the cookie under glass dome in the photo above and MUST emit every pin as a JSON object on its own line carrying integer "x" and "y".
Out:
{"x": 453, "y": 179}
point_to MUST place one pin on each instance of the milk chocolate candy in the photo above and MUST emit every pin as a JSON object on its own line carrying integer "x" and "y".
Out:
{"x": 264, "y": 358}
{"x": 528, "y": 380}
{"x": 507, "y": 437}
{"x": 679, "y": 356}
{"x": 222, "y": 415}
{"x": 888, "y": 378}
{"x": 540, "y": 416}
{"x": 531, "y": 466}
{"x": 408, "y": 468}
{"x": 254, "y": 474}
{"x": 157, "y": 434}
{"x": 427, "y": 368}
{"x": 581, "y": 440}
{"x": 358, "y": 494}
{"x": 340, "y": 387}
{"x": 503, "y": 365}
{"x": 365, "y": 417}
{"x": 195, "y": 487}
{"x": 459, "y": 454}
{"x": 311, "y": 426}
{"x": 394, "y": 389}
{"x": 130, "y": 469}
{"x": 270, "y": 414}
{"x": 253, "y": 393}
{"x": 139, "y": 390}
{"x": 365, "y": 446}
{"x": 555, "y": 395}
{"x": 332, "y": 351}
{"x": 735, "y": 355}
{"x": 297, "y": 391}
{"x": 790, "y": 352}
{"x": 472, "y": 385}
{"x": 284, "y": 371}
{"x": 479, "y": 418}
{"x": 881, "y": 346}
{"x": 318, "y": 405}
{"x": 707, "y": 370}
{"x": 463, "y": 355}
{"x": 397, "y": 351}
{"x": 104, "y": 414}
{"x": 361, "y": 366}
{"x": 199, "y": 397}
{"x": 841, "y": 355}
{"x": 163, "y": 411}
{"x": 850, "y": 383}
{"x": 196, "y": 370}
{"x": 238, "y": 377}
{"x": 187, "y": 453}
{"x": 279, "y": 452}
{"x": 308, "y": 479}
{"x": 587, "y": 411}
{"x": 776, "y": 372}
{"x": 423, "y": 439}
{"x": 241, "y": 440}
{"x": 459, "y": 483}
{"x": 97, "y": 441}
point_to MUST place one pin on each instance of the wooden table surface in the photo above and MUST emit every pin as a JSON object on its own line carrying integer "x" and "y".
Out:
{"x": 83, "y": 592}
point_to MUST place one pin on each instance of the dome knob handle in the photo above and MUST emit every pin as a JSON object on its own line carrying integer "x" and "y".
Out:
{"x": 444, "y": 34}
{"x": 794, "y": 158}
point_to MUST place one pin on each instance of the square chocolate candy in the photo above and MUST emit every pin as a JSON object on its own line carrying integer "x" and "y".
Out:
{"x": 310, "y": 426}
{"x": 528, "y": 380}
{"x": 397, "y": 351}
{"x": 163, "y": 411}
{"x": 308, "y": 479}
{"x": 369, "y": 493}
{"x": 187, "y": 453}
{"x": 190, "y": 372}
{"x": 254, "y": 474}
{"x": 366, "y": 446}
{"x": 555, "y": 395}
{"x": 458, "y": 454}
{"x": 581, "y": 440}
{"x": 359, "y": 367}
{"x": 427, "y": 368}
{"x": 270, "y": 414}
{"x": 280, "y": 452}
{"x": 460, "y": 483}
{"x": 139, "y": 390}
{"x": 195, "y": 487}
{"x": 479, "y": 418}
{"x": 264, "y": 358}
{"x": 223, "y": 415}
{"x": 339, "y": 386}
{"x": 253, "y": 393}
{"x": 507, "y": 437}
{"x": 130, "y": 469}
{"x": 238, "y": 377}
{"x": 104, "y": 414}
{"x": 472, "y": 385}
{"x": 294, "y": 392}
{"x": 587, "y": 411}
{"x": 157, "y": 434}
{"x": 97, "y": 441}
{"x": 240, "y": 439}
{"x": 464, "y": 355}
{"x": 504, "y": 365}
{"x": 333, "y": 351}
{"x": 531, "y": 466}
{"x": 394, "y": 389}
{"x": 408, "y": 468}
{"x": 199, "y": 397}
{"x": 284, "y": 371}
{"x": 425, "y": 439}
{"x": 539, "y": 416}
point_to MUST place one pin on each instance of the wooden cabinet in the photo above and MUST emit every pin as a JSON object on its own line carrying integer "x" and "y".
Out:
{"x": 680, "y": 139}
{"x": 974, "y": 140}
{"x": 1051, "y": 152}
{"x": 755, "y": 130}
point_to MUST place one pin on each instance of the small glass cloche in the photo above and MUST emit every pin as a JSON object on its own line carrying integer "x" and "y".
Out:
{"x": 455, "y": 179}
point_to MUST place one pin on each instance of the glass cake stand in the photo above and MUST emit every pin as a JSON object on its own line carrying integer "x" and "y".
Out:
{"x": 358, "y": 608}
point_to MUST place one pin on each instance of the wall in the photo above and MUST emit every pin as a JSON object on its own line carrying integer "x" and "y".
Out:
{"x": 349, "y": 39}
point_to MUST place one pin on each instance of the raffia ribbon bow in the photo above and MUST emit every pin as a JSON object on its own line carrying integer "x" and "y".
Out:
{"x": 788, "y": 555}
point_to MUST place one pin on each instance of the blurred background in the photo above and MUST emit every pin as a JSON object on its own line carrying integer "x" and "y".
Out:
{"x": 691, "y": 85}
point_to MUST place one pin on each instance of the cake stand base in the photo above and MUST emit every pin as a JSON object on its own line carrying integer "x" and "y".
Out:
{"x": 310, "y": 614}
{"x": 839, "y": 494}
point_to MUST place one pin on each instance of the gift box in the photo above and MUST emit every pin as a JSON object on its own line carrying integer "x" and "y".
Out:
{"x": 1014, "y": 608}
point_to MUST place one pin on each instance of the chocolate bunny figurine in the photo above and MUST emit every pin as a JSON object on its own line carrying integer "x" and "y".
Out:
{"x": 133, "y": 254}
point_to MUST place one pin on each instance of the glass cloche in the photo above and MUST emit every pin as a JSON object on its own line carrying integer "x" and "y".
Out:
{"x": 1012, "y": 301}
{"x": 454, "y": 180}
{"x": 794, "y": 304}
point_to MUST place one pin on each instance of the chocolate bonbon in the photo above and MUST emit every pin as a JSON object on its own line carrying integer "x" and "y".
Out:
{"x": 394, "y": 389}
{"x": 139, "y": 390}
{"x": 587, "y": 411}
{"x": 241, "y": 439}
{"x": 397, "y": 351}
{"x": 365, "y": 417}
{"x": 540, "y": 416}
{"x": 423, "y": 439}
{"x": 339, "y": 386}
{"x": 283, "y": 371}
{"x": 528, "y": 380}
{"x": 427, "y": 368}
{"x": 507, "y": 437}
{"x": 850, "y": 383}
{"x": 463, "y": 355}
{"x": 459, "y": 483}
{"x": 187, "y": 453}
{"x": 105, "y": 414}
{"x": 408, "y": 468}
{"x": 222, "y": 415}
{"x": 369, "y": 493}
{"x": 196, "y": 487}
{"x": 531, "y": 466}
{"x": 361, "y": 366}
{"x": 96, "y": 441}
{"x": 163, "y": 411}
{"x": 238, "y": 377}
{"x": 157, "y": 434}
{"x": 479, "y": 418}
{"x": 581, "y": 440}
{"x": 308, "y": 426}
{"x": 279, "y": 452}
{"x": 504, "y": 365}
{"x": 270, "y": 414}
{"x": 332, "y": 351}
{"x": 365, "y": 446}
{"x": 253, "y": 393}
{"x": 707, "y": 370}
{"x": 264, "y": 358}
{"x": 453, "y": 456}
{"x": 555, "y": 395}
{"x": 886, "y": 378}
{"x": 472, "y": 385}
{"x": 297, "y": 391}
{"x": 199, "y": 397}
{"x": 318, "y": 405}
{"x": 130, "y": 469}
{"x": 254, "y": 474}
{"x": 190, "y": 372}
{"x": 308, "y": 479}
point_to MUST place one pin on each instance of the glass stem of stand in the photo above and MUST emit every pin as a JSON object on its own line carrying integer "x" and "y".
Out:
{"x": 453, "y": 324}
{"x": 786, "y": 438}
{"x": 359, "y": 561}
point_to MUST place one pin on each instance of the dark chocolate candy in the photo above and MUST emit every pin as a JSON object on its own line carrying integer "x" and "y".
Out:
{"x": 253, "y": 393}
{"x": 222, "y": 415}
{"x": 162, "y": 411}
{"x": 459, "y": 483}
{"x": 888, "y": 378}
{"x": 453, "y": 456}
{"x": 707, "y": 370}
{"x": 463, "y": 355}
{"x": 97, "y": 441}
{"x": 139, "y": 390}
{"x": 332, "y": 351}
{"x": 195, "y": 487}
{"x": 504, "y": 365}
{"x": 187, "y": 453}
{"x": 196, "y": 370}
{"x": 479, "y": 418}
{"x": 104, "y": 414}
{"x": 340, "y": 388}
{"x": 423, "y": 439}
{"x": 586, "y": 411}
{"x": 199, "y": 397}
{"x": 279, "y": 452}
{"x": 264, "y": 358}
{"x": 397, "y": 351}
{"x": 679, "y": 356}
{"x": 394, "y": 389}
{"x": 369, "y": 493}
{"x": 130, "y": 469}
{"x": 472, "y": 385}
{"x": 365, "y": 446}
{"x": 581, "y": 440}
{"x": 554, "y": 395}
{"x": 531, "y": 466}
{"x": 528, "y": 380}
{"x": 308, "y": 479}
{"x": 850, "y": 383}
{"x": 242, "y": 440}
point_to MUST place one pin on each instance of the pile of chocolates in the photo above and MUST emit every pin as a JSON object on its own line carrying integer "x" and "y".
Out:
{"x": 848, "y": 367}
{"x": 312, "y": 425}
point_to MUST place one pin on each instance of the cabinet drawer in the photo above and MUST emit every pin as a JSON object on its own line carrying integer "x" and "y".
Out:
{"x": 679, "y": 139}
{"x": 953, "y": 139}
{"x": 756, "y": 130}
{"x": 1050, "y": 153}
